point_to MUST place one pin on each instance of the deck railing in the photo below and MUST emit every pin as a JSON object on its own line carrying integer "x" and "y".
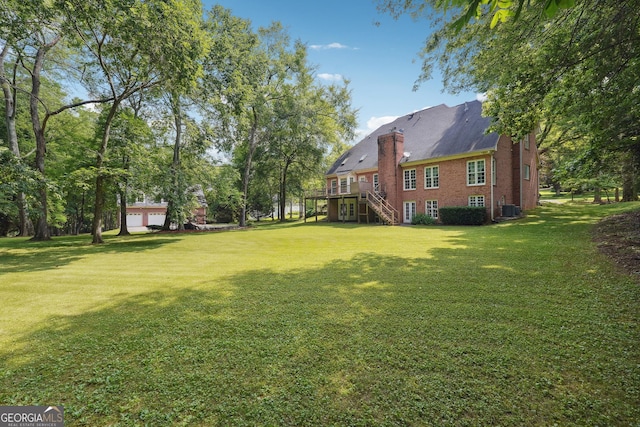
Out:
{"x": 384, "y": 210}
{"x": 353, "y": 188}
{"x": 364, "y": 191}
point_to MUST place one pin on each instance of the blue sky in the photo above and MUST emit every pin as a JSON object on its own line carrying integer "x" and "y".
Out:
{"x": 344, "y": 42}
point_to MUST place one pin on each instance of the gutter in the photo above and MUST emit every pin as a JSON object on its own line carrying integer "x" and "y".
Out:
{"x": 450, "y": 157}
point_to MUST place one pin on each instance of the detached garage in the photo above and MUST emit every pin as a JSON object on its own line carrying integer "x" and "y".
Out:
{"x": 134, "y": 219}
{"x": 141, "y": 216}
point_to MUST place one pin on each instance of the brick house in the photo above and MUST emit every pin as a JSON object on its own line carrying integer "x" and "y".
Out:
{"x": 440, "y": 156}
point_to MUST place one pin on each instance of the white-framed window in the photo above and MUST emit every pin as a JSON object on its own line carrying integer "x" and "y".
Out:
{"x": 410, "y": 179}
{"x": 334, "y": 186}
{"x": 431, "y": 176}
{"x": 409, "y": 211}
{"x": 431, "y": 208}
{"x": 476, "y": 200}
{"x": 344, "y": 186}
{"x": 476, "y": 172}
{"x": 376, "y": 182}
{"x": 527, "y": 172}
{"x": 526, "y": 142}
{"x": 362, "y": 178}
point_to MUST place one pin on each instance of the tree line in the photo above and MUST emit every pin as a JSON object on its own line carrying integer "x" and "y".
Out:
{"x": 107, "y": 99}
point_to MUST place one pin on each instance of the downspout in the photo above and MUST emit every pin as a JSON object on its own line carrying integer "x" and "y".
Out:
{"x": 493, "y": 173}
{"x": 396, "y": 165}
{"x": 520, "y": 167}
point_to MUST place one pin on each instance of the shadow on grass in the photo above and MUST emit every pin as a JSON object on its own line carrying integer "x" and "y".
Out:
{"x": 20, "y": 255}
{"x": 456, "y": 338}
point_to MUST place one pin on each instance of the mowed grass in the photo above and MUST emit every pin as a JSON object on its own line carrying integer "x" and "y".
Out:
{"x": 521, "y": 323}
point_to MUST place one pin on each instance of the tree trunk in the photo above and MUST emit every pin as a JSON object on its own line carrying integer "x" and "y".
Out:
{"x": 253, "y": 142}
{"x": 597, "y": 197}
{"x": 81, "y": 214}
{"x": 630, "y": 175}
{"x": 9, "y": 104}
{"x": 124, "y": 231}
{"x": 96, "y": 228}
{"x": 167, "y": 218}
{"x": 174, "y": 206}
{"x": 25, "y": 226}
{"x": 283, "y": 190}
{"x": 42, "y": 227}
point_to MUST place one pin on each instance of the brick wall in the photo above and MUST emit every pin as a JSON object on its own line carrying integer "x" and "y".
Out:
{"x": 390, "y": 150}
{"x": 530, "y": 186}
{"x": 452, "y": 190}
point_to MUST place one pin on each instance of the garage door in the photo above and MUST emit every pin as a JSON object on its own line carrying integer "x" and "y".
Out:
{"x": 156, "y": 219}
{"x": 134, "y": 220}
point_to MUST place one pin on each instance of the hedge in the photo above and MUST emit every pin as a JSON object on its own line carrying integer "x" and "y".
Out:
{"x": 463, "y": 215}
{"x": 422, "y": 219}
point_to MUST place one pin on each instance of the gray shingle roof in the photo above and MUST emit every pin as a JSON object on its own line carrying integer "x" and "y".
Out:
{"x": 428, "y": 134}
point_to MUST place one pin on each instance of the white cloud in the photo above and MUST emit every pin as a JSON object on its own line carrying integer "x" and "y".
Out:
{"x": 93, "y": 107}
{"x": 375, "y": 122}
{"x": 481, "y": 97}
{"x": 330, "y": 77}
{"x": 333, "y": 45}
{"x": 372, "y": 124}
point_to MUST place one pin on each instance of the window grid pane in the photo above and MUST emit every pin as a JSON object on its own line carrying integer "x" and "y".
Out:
{"x": 475, "y": 172}
{"x": 410, "y": 179}
{"x": 476, "y": 201}
{"x": 431, "y": 178}
{"x": 431, "y": 208}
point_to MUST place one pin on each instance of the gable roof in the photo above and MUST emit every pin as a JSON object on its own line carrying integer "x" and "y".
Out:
{"x": 428, "y": 134}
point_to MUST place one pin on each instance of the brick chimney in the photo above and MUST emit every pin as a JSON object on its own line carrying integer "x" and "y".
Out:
{"x": 390, "y": 152}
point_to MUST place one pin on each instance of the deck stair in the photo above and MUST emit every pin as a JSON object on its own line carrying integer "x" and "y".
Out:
{"x": 385, "y": 211}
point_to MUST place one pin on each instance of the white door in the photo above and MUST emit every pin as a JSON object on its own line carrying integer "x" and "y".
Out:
{"x": 134, "y": 220}
{"x": 409, "y": 211}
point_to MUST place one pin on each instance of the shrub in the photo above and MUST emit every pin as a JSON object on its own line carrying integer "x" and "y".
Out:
{"x": 422, "y": 219}
{"x": 463, "y": 215}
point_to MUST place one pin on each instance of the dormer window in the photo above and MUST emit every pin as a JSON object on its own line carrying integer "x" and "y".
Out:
{"x": 364, "y": 156}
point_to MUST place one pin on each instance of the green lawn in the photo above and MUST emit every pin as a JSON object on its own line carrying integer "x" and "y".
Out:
{"x": 521, "y": 323}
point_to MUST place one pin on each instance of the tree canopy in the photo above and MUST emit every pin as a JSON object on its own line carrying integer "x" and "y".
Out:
{"x": 574, "y": 68}
{"x": 124, "y": 97}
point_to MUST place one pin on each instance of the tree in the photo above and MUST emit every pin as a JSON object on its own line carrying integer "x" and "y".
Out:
{"x": 577, "y": 71}
{"x": 132, "y": 157}
{"x": 183, "y": 178}
{"x": 309, "y": 119}
{"x": 223, "y": 196}
{"x": 11, "y": 32}
{"x": 33, "y": 31}
{"x": 41, "y": 35}
{"x": 498, "y": 10}
{"x": 247, "y": 72}
{"x": 133, "y": 46}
